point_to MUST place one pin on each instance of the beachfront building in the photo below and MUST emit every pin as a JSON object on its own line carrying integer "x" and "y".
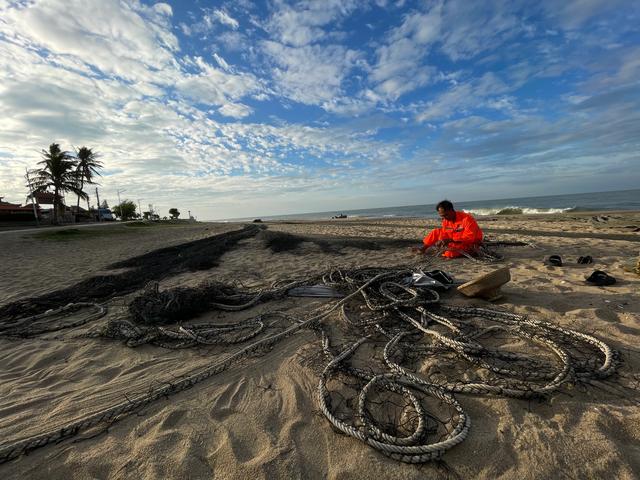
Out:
{"x": 14, "y": 212}
{"x": 44, "y": 204}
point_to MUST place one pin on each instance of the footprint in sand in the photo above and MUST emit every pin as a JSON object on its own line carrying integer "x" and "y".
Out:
{"x": 607, "y": 315}
{"x": 172, "y": 420}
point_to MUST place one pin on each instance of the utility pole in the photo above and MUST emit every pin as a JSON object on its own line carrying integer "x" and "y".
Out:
{"x": 139, "y": 208}
{"x": 98, "y": 207}
{"x": 33, "y": 200}
{"x": 120, "y": 202}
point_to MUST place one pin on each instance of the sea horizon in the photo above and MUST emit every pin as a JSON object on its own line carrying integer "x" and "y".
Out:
{"x": 546, "y": 204}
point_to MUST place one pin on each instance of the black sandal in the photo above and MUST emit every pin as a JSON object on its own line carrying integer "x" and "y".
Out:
{"x": 555, "y": 260}
{"x": 601, "y": 279}
{"x": 440, "y": 276}
{"x": 585, "y": 260}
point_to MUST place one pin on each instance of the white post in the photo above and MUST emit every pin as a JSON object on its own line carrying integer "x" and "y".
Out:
{"x": 33, "y": 200}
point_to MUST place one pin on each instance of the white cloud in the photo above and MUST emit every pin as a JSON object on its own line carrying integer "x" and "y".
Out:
{"x": 457, "y": 28}
{"x": 215, "y": 87}
{"x": 399, "y": 66}
{"x": 233, "y": 40}
{"x": 571, "y": 14}
{"x": 221, "y": 62}
{"x": 473, "y": 27}
{"x": 464, "y": 96}
{"x": 312, "y": 74}
{"x": 225, "y": 19}
{"x": 207, "y": 23}
{"x": 235, "y": 110}
{"x": 166, "y": 151}
{"x": 302, "y": 24}
{"x": 163, "y": 9}
{"x": 306, "y": 65}
{"x": 110, "y": 75}
{"x": 132, "y": 43}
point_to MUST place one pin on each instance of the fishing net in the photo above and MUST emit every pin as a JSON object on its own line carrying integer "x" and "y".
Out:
{"x": 391, "y": 357}
{"x": 395, "y": 355}
{"x": 197, "y": 255}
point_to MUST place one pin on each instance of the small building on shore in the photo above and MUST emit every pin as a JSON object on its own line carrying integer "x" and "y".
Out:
{"x": 14, "y": 212}
{"x": 44, "y": 202}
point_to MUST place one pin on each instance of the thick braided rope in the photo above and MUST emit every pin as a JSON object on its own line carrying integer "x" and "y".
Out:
{"x": 393, "y": 447}
{"x": 390, "y": 298}
{"x": 8, "y": 452}
{"x": 479, "y": 388}
{"x": 28, "y": 326}
{"x": 608, "y": 365}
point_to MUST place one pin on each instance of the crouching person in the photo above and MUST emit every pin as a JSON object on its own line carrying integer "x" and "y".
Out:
{"x": 459, "y": 233}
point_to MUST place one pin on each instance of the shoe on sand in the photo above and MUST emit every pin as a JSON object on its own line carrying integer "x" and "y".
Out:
{"x": 440, "y": 276}
{"x": 600, "y": 278}
{"x": 555, "y": 260}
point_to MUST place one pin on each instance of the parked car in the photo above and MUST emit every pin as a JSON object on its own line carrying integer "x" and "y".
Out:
{"x": 105, "y": 214}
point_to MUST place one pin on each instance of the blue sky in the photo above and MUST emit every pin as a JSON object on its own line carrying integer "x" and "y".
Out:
{"x": 240, "y": 109}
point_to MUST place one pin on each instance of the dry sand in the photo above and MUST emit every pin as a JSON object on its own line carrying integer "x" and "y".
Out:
{"x": 260, "y": 419}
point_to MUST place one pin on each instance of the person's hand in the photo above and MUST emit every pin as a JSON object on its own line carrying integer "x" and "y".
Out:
{"x": 417, "y": 250}
{"x": 443, "y": 243}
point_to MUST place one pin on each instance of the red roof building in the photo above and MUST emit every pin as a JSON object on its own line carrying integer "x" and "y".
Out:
{"x": 15, "y": 211}
{"x": 44, "y": 198}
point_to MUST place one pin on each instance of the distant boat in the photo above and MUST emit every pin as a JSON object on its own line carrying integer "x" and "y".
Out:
{"x": 341, "y": 215}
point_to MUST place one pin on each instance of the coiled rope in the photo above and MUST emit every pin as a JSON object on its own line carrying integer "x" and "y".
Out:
{"x": 414, "y": 325}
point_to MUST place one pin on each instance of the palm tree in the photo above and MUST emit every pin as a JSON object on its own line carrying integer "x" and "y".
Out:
{"x": 58, "y": 172}
{"x": 88, "y": 165}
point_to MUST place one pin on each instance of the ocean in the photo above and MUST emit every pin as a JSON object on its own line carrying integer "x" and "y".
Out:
{"x": 600, "y": 201}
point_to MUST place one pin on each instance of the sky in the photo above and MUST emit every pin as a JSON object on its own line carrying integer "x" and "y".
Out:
{"x": 248, "y": 108}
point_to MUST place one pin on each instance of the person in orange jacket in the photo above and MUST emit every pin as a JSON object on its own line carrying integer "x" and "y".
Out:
{"x": 459, "y": 232}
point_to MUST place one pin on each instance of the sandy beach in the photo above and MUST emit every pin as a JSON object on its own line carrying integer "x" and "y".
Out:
{"x": 260, "y": 417}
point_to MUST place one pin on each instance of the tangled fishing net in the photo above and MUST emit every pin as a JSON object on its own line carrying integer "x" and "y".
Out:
{"x": 395, "y": 355}
{"x": 187, "y": 257}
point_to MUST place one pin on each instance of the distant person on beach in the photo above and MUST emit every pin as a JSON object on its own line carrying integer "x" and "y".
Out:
{"x": 459, "y": 232}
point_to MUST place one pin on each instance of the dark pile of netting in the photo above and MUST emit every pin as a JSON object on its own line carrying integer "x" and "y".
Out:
{"x": 284, "y": 242}
{"x": 156, "y": 307}
{"x": 197, "y": 255}
{"x": 395, "y": 355}
{"x": 280, "y": 241}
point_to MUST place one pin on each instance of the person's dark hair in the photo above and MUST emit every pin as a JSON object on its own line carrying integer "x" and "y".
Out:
{"x": 445, "y": 205}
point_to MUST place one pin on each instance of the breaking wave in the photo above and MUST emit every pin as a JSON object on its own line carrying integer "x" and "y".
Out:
{"x": 518, "y": 211}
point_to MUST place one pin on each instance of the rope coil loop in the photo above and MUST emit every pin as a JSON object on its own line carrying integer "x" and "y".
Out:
{"x": 423, "y": 340}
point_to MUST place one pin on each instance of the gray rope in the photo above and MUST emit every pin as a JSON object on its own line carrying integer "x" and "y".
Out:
{"x": 13, "y": 450}
{"x": 389, "y": 311}
{"x": 43, "y": 323}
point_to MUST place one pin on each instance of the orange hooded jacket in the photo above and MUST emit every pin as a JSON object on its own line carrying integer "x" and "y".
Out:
{"x": 464, "y": 233}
